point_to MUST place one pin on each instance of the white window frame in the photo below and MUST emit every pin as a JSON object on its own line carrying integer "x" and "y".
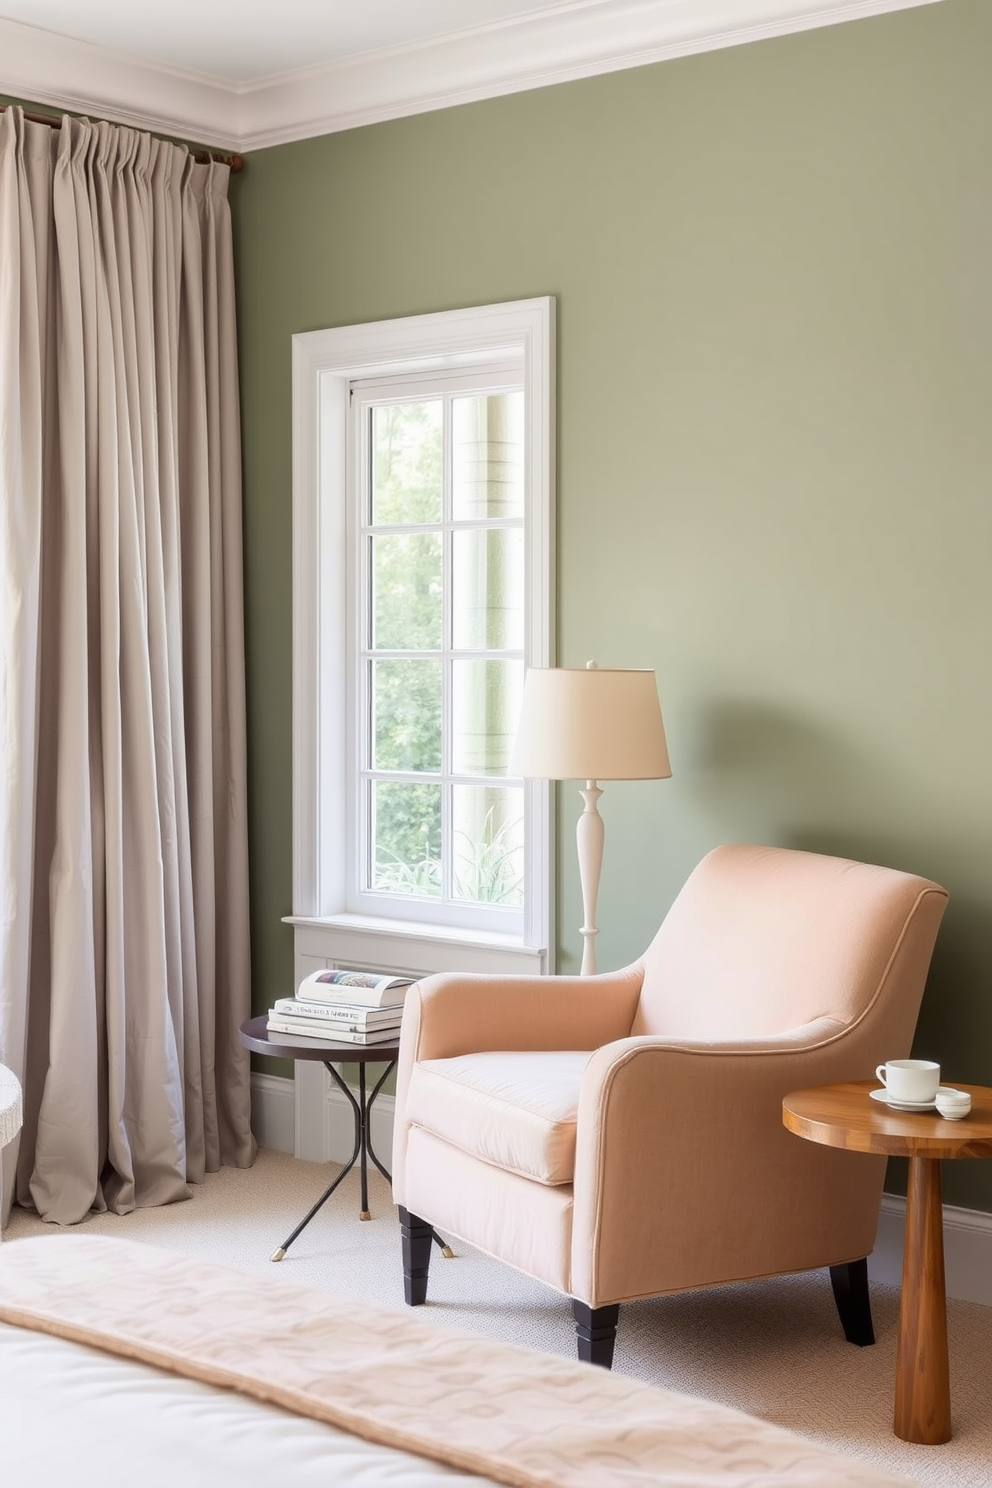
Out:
{"x": 499, "y": 376}
{"x": 325, "y": 364}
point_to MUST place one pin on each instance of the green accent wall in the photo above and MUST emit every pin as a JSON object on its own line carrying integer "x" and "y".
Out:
{"x": 773, "y": 272}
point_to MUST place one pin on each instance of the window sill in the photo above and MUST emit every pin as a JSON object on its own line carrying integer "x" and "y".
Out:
{"x": 405, "y": 946}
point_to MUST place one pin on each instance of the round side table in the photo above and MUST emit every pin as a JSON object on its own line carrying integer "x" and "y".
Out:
{"x": 845, "y": 1116}
{"x": 254, "y": 1034}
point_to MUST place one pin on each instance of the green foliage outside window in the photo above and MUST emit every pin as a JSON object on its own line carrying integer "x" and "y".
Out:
{"x": 407, "y": 598}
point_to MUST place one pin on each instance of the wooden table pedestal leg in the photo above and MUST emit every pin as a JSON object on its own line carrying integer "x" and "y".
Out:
{"x": 923, "y": 1392}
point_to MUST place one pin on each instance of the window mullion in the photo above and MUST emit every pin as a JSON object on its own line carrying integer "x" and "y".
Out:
{"x": 363, "y": 656}
{"x": 447, "y": 804}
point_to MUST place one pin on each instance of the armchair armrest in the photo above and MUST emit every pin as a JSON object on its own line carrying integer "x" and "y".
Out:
{"x": 450, "y": 1014}
{"x": 683, "y": 1168}
{"x": 626, "y": 1070}
{"x": 454, "y": 1014}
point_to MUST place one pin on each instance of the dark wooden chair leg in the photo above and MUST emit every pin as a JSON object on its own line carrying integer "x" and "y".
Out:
{"x": 850, "y": 1284}
{"x": 417, "y": 1236}
{"x": 596, "y": 1329}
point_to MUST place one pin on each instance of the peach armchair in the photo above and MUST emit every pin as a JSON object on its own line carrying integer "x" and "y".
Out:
{"x": 620, "y": 1136}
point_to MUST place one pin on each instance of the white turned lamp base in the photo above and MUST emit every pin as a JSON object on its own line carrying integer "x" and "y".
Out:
{"x": 589, "y": 836}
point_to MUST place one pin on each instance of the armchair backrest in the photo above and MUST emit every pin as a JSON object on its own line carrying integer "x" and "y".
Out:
{"x": 761, "y": 940}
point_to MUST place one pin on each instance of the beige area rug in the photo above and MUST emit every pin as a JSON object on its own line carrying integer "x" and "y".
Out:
{"x": 772, "y": 1348}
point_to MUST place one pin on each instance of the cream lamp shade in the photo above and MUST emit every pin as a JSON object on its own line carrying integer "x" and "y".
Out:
{"x": 590, "y": 724}
{"x": 593, "y": 723}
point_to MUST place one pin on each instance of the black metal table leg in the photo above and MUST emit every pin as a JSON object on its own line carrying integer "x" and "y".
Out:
{"x": 361, "y": 1110}
{"x": 278, "y": 1254}
{"x": 368, "y": 1139}
{"x": 365, "y": 1116}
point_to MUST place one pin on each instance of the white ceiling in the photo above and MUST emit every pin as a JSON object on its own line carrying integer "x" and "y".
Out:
{"x": 242, "y": 40}
{"x": 243, "y": 74}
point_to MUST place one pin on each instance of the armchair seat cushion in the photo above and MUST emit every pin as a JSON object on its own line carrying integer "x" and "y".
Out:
{"x": 516, "y": 1110}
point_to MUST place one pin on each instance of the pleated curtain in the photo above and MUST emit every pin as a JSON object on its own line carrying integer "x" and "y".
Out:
{"x": 124, "y": 955}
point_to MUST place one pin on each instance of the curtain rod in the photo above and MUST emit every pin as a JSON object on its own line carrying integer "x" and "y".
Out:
{"x": 202, "y": 157}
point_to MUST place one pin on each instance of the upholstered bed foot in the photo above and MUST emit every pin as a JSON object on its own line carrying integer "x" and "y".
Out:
{"x": 850, "y": 1284}
{"x": 596, "y": 1328}
{"x": 417, "y": 1236}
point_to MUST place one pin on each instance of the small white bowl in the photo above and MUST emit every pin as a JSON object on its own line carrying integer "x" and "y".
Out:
{"x": 953, "y": 1104}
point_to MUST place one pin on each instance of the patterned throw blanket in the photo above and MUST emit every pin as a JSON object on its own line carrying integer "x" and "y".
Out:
{"x": 521, "y": 1418}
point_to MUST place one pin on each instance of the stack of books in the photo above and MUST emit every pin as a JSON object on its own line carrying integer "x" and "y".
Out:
{"x": 344, "y": 1007}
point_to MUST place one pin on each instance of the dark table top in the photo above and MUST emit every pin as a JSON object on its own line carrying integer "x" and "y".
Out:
{"x": 255, "y": 1035}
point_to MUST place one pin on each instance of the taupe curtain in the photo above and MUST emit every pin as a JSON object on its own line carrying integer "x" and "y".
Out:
{"x": 123, "y": 879}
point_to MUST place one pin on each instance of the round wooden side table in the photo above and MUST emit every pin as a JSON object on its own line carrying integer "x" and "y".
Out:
{"x": 846, "y": 1116}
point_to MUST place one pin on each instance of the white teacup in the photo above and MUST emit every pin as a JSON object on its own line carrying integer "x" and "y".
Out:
{"x": 911, "y": 1080}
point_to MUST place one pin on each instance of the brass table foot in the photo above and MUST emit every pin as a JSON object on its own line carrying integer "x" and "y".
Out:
{"x": 364, "y": 1214}
{"x": 277, "y": 1255}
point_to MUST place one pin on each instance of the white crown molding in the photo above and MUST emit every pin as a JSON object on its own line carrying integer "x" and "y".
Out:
{"x": 44, "y": 67}
{"x": 535, "y": 50}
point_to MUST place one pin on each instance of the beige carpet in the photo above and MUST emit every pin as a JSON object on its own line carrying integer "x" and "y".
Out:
{"x": 772, "y": 1348}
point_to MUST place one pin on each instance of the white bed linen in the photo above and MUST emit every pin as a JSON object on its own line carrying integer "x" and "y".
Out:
{"x": 73, "y": 1415}
{"x": 84, "y": 1412}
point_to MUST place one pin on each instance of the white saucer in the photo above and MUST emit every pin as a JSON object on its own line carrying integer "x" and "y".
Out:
{"x": 883, "y": 1096}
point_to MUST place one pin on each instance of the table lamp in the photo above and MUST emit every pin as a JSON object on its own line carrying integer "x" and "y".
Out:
{"x": 590, "y": 724}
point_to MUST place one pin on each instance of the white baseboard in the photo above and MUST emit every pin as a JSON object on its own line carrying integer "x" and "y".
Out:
{"x": 325, "y": 1125}
{"x": 339, "y": 1128}
{"x": 311, "y": 1118}
{"x": 273, "y": 1112}
{"x": 315, "y": 1122}
{"x": 967, "y": 1250}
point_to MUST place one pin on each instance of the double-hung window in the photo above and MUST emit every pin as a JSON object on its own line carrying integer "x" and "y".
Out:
{"x": 437, "y": 551}
{"x": 423, "y": 584}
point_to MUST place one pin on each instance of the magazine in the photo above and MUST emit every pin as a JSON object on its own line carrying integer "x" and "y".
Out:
{"x": 348, "y": 1015}
{"x": 359, "y": 988}
{"x": 282, "y": 1027}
